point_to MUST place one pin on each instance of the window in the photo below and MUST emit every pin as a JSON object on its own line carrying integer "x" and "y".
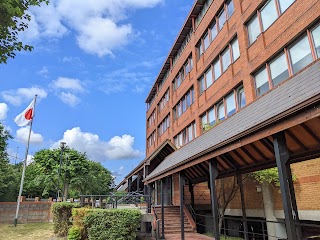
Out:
{"x": 206, "y": 42}
{"x": 151, "y": 139}
{"x": 241, "y": 98}
{"x": 213, "y": 31}
{"x": 202, "y": 85}
{"x": 226, "y": 61}
{"x": 284, "y": 4}
{"x": 221, "y": 113}
{"x": 262, "y": 84}
{"x": 279, "y": 69}
{"x": 222, "y": 19}
{"x": 164, "y": 125}
{"x": 235, "y": 49}
{"x": 186, "y": 135}
{"x": 316, "y": 39}
{"x": 231, "y": 104}
{"x": 217, "y": 69}
{"x": 183, "y": 104}
{"x": 218, "y": 113}
{"x": 208, "y": 78}
{"x": 253, "y": 29}
{"x": 200, "y": 49}
{"x": 230, "y": 6}
{"x": 269, "y": 14}
{"x": 300, "y": 54}
{"x": 212, "y": 116}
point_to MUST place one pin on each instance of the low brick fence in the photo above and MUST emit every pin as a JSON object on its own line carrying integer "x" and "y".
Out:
{"x": 29, "y": 212}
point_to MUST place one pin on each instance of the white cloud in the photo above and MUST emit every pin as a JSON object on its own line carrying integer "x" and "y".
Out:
{"x": 125, "y": 80}
{"x": 3, "y": 111}
{"x": 72, "y": 84}
{"x": 121, "y": 168}
{"x": 44, "y": 71}
{"x": 30, "y": 159}
{"x": 70, "y": 59}
{"x": 69, "y": 99}
{"x": 23, "y": 133}
{"x": 92, "y": 40}
{"x": 96, "y": 149}
{"x": 98, "y": 25}
{"x": 23, "y": 95}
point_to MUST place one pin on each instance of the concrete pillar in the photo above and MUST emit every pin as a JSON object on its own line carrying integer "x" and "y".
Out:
{"x": 268, "y": 204}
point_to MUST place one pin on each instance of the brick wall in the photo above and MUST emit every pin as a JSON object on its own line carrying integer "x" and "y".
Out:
{"x": 29, "y": 212}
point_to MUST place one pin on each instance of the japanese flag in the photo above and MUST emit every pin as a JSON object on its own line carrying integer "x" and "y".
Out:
{"x": 24, "y": 118}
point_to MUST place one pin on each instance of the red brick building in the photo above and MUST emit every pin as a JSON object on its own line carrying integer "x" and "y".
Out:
{"x": 238, "y": 92}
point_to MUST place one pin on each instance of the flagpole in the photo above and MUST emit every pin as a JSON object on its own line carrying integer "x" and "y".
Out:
{"x": 24, "y": 165}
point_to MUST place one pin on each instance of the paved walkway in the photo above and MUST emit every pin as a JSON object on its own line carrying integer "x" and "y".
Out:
{"x": 188, "y": 236}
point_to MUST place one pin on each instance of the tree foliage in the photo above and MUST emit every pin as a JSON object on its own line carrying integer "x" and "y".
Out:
{"x": 14, "y": 18}
{"x": 78, "y": 174}
{"x": 8, "y": 173}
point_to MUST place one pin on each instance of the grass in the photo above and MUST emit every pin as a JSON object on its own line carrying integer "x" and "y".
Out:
{"x": 30, "y": 231}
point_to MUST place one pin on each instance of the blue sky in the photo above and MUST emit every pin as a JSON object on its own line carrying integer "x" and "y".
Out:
{"x": 92, "y": 67}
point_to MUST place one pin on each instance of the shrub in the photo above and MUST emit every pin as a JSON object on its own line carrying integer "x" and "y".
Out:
{"x": 62, "y": 217}
{"x": 120, "y": 224}
{"x": 74, "y": 233}
{"x": 78, "y": 215}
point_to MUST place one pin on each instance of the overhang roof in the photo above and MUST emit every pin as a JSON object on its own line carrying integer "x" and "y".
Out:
{"x": 163, "y": 150}
{"x": 289, "y": 97}
{"x": 197, "y": 7}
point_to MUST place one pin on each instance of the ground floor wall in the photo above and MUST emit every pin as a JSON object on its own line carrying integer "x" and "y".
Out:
{"x": 29, "y": 212}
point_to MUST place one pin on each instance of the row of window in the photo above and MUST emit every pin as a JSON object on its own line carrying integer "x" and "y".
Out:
{"x": 183, "y": 104}
{"x": 219, "y": 21}
{"x": 182, "y": 47}
{"x": 203, "y": 11}
{"x": 229, "y": 55}
{"x": 224, "y": 108}
{"x": 164, "y": 125}
{"x": 186, "y": 68}
{"x": 289, "y": 61}
{"x": 152, "y": 118}
{"x": 163, "y": 101}
{"x": 151, "y": 139}
{"x": 265, "y": 16}
{"x": 186, "y": 135}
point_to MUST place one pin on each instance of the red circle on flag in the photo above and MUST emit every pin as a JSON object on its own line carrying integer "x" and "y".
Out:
{"x": 28, "y": 114}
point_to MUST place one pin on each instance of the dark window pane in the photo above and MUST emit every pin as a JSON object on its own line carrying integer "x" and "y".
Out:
{"x": 253, "y": 29}
{"x": 241, "y": 98}
{"x": 316, "y": 39}
{"x": 300, "y": 54}
{"x": 262, "y": 84}
{"x": 209, "y": 78}
{"x": 225, "y": 59}
{"x": 221, "y": 113}
{"x": 217, "y": 69}
{"x": 231, "y": 104}
{"x": 279, "y": 70}
{"x": 269, "y": 14}
{"x": 206, "y": 42}
{"x": 222, "y": 19}
{"x": 230, "y": 8}
{"x": 213, "y": 31}
{"x": 284, "y": 4}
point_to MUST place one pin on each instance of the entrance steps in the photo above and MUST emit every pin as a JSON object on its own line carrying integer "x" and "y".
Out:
{"x": 172, "y": 221}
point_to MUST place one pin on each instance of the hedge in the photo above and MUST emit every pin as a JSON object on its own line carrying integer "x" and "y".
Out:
{"x": 120, "y": 224}
{"x": 62, "y": 217}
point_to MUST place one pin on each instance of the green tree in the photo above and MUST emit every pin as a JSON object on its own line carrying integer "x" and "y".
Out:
{"x": 13, "y": 20}
{"x": 7, "y": 172}
{"x": 78, "y": 174}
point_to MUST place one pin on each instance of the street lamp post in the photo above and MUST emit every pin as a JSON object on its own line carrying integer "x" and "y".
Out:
{"x": 62, "y": 147}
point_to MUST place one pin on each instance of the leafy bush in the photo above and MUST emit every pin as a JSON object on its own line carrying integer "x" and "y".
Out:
{"x": 62, "y": 217}
{"x": 78, "y": 215}
{"x": 74, "y": 233}
{"x": 120, "y": 224}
